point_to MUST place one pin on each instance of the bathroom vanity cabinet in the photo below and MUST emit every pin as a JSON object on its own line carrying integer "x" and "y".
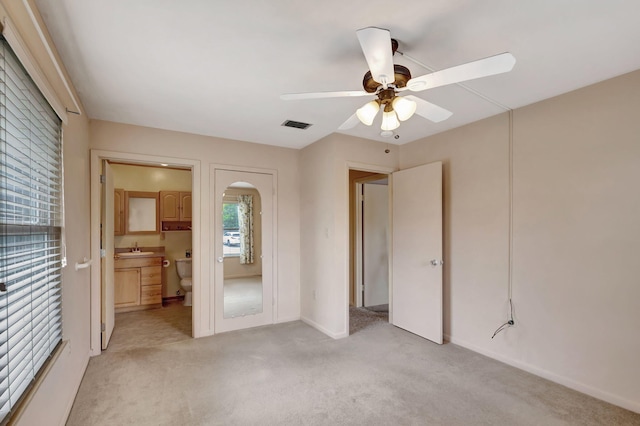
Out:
{"x": 137, "y": 283}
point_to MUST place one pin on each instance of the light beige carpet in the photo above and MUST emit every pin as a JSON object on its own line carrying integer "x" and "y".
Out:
{"x": 291, "y": 374}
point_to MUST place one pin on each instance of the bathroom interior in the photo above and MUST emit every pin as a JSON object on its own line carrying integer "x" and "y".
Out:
{"x": 152, "y": 244}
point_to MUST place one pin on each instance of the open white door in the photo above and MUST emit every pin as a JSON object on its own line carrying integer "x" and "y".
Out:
{"x": 417, "y": 251}
{"x": 106, "y": 264}
{"x": 375, "y": 244}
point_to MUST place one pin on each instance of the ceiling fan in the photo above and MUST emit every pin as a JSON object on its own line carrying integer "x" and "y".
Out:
{"x": 386, "y": 81}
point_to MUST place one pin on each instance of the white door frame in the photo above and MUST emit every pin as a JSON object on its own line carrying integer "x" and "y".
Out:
{"x": 95, "y": 304}
{"x": 107, "y": 263}
{"x": 358, "y": 245}
{"x": 350, "y": 165}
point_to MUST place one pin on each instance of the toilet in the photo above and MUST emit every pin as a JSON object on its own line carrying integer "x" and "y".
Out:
{"x": 183, "y": 268}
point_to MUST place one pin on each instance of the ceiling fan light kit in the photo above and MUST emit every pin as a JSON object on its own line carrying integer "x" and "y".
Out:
{"x": 389, "y": 120}
{"x": 386, "y": 79}
{"x": 404, "y": 107}
{"x": 368, "y": 112}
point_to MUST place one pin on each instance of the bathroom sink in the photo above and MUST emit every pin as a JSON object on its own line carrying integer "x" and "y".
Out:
{"x": 134, "y": 253}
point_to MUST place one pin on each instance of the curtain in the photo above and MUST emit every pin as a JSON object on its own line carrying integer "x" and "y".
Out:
{"x": 245, "y": 221}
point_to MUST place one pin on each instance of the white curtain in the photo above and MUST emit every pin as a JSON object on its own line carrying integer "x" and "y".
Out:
{"x": 245, "y": 221}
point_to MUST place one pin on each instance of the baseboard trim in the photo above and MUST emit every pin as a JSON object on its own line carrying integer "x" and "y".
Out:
{"x": 323, "y": 330}
{"x": 172, "y": 299}
{"x": 562, "y": 380}
{"x": 287, "y": 319}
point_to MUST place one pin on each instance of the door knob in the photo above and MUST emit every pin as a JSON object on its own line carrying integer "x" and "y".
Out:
{"x": 220, "y": 260}
{"x": 436, "y": 262}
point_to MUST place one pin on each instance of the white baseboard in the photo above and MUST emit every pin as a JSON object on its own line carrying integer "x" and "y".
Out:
{"x": 287, "y": 319}
{"x": 565, "y": 381}
{"x": 324, "y": 330}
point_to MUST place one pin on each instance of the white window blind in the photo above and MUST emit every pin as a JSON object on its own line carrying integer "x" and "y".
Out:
{"x": 31, "y": 229}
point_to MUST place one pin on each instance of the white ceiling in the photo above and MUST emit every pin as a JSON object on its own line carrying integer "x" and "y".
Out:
{"x": 218, "y": 67}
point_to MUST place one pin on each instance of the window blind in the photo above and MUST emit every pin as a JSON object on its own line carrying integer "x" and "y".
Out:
{"x": 31, "y": 230}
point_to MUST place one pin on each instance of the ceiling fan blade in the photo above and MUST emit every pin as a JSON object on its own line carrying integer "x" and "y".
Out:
{"x": 429, "y": 111}
{"x": 350, "y": 123}
{"x": 376, "y": 46}
{"x": 492, "y": 65}
{"x": 322, "y": 95}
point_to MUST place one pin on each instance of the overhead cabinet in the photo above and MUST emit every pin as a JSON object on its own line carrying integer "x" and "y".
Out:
{"x": 175, "y": 210}
{"x": 137, "y": 212}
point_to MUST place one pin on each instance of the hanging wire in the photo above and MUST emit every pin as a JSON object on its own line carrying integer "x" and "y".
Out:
{"x": 507, "y": 324}
{"x": 510, "y": 322}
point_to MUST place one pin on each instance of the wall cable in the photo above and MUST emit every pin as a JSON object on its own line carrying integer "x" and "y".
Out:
{"x": 510, "y": 321}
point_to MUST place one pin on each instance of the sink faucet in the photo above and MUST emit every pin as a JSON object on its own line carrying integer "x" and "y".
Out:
{"x": 135, "y": 249}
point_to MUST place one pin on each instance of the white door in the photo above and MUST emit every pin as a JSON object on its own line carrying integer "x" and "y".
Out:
{"x": 263, "y": 315}
{"x": 375, "y": 236}
{"x": 106, "y": 264}
{"x": 417, "y": 251}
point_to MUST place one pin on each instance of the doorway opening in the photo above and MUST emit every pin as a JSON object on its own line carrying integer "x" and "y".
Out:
{"x": 152, "y": 289}
{"x": 414, "y": 256}
{"x": 136, "y": 248}
{"x": 369, "y": 249}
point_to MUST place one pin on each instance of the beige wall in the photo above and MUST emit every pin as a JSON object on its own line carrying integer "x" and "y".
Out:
{"x": 211, "y": 152}
{"x": 576, "y": 204}
{"x": 324, "y": 211}
{"x": 51, "y": 403}
{"x": 175, "y": 243}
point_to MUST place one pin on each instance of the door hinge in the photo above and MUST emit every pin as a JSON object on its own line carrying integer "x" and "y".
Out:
{"x": 103, "y": 179}
{"x": 103, "y": 327}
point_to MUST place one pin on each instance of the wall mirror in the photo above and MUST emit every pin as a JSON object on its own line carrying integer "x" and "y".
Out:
{"x": 141, "y": 210}
{"x": 242, "y": 248}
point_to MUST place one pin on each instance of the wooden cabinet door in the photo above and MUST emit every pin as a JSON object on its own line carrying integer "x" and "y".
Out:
{"x": 118, "y": 212}
{"x": 169, "y": 206}
{"x": 126, "y": 287}
{"x": 185, "y": 206}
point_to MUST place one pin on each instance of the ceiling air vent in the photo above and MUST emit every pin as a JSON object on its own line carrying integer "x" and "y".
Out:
{"x": 296, "y": 124}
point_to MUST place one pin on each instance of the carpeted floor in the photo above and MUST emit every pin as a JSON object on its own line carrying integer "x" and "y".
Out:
{"x": 361, "y": 318}
{"x": 291, "y": 374}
